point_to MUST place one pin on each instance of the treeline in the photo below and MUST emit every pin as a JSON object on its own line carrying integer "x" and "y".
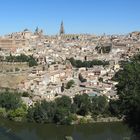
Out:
{"x": 64, "y": 111}
{"x": 87, "y": 64}
{"x": 22, "y": 58}
{"x": 12, "y": 107}
{"x": 60, "y": 111}
{"x": 128, "y": 90}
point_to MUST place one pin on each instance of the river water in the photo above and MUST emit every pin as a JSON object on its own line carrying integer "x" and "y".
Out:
{"x": 30, "y": 131}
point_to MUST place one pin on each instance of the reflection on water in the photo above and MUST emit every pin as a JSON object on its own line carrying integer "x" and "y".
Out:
{"x": 27, "y": 131}
{"x": 6, "y": 134}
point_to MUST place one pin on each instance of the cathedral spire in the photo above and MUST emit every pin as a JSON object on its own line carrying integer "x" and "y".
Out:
{"x": 62, "y": 29}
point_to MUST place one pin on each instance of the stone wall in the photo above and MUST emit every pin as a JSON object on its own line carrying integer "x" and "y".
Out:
{"x": 6, "y": 67}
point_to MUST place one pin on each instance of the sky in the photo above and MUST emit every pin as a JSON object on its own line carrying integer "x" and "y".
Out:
{"x": 79, "y": 16}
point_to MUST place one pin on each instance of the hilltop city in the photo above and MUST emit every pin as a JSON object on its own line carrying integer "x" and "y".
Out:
{"x": 48, "y": 67}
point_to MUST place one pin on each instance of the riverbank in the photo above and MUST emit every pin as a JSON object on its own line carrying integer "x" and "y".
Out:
{"x": 60, "y": 111}
{"x": 76, "y": 121}
{"x": 88, "y": 119}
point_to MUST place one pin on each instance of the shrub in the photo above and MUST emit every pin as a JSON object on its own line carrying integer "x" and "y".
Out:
{"x": 3, "y": 113}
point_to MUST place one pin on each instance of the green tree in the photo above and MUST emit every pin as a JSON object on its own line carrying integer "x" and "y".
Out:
{"x": 30, "y": 114}
{"x": 70, "y": 84}
{"x": 72, "y": 60}
{"x": 22, "y": 58}
{"x": 32, "y": 62}
{"x": 25, "y": 94}
{"x": 10, "y": 100}
{"x": 114, "y": 107}
{"x": 50, "y": 109}
{"x": 42, "y": 112}
{"x": 3, "y": 112}
{"x": 61, "y": 115}
{"x": 87, "y": 64}
{"x": 128, "y": 90}
{"x": 40, "y": 115}
{"x": 64, "y": 102}
{"x": 99, "y": 106}
{"x": 100, "y": 79}
{"x": 17, "y": 69}
{"x": 17, "y": 114}
{"x": 83, "y": 104}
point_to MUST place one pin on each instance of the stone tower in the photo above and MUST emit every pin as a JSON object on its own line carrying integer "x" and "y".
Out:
{"x": 62, "y": 29}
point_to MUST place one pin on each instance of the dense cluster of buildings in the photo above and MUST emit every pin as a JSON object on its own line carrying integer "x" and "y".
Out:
{"x": 54, "y": 70}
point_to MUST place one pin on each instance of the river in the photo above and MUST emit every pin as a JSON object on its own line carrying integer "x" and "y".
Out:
{"x": 30, "y": 131}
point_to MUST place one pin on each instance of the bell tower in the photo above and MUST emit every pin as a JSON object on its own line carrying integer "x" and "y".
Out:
{"x": 62, "y": 29}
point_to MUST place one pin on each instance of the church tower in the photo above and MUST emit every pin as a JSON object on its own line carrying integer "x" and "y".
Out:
{"x": 62, "y": 29}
